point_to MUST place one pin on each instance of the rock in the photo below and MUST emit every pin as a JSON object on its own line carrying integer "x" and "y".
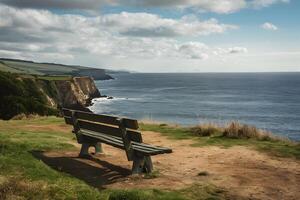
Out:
{"x": 77, "y": 93}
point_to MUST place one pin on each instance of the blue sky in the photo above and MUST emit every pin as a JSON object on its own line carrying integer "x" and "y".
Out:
{"x": 155, "y": 36}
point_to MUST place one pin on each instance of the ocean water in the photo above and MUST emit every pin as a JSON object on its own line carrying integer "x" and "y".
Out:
{"x": 270, "y": 101}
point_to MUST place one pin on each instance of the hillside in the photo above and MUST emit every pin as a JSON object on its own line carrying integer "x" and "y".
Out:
{"x": 43, "y": 95}
{"x": 50, "y": 69}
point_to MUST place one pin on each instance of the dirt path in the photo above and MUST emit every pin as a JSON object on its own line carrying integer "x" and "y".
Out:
{"x": 240, "y": 170}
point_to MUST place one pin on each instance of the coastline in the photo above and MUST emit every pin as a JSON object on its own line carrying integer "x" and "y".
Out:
{"x": 209, "y": 167}
{"x": 192, "y": 99}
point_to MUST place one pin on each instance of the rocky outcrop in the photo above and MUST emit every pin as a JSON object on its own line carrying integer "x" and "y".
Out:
{"x": 26, "y": 94}
{"x": 77, "y": 93}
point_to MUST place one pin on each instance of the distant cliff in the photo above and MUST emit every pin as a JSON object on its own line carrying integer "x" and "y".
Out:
{"x": 44, "y": 96}
{"x": 51, "y": 69}
{"x": 77, "y": 92}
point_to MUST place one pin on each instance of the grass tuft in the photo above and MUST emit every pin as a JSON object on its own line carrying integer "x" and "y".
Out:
{"x": 237, "y": 130}
{"x": 231, "y": 135}
{"x": 205, "y": 130}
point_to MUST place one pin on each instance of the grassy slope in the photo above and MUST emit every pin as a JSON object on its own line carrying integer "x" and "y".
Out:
{"x": 23, "y": 176}
{"x": 50, "y": 69}
{"x": 5, "y": 68}
{"x": 37, "y": 68}
{"x": 277, "y": 148}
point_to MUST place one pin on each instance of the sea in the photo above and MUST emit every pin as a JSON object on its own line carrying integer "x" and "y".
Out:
{"x": 269, "y": 101}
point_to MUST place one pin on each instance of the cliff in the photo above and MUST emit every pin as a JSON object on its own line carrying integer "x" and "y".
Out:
{"x": 76, "y": 93}
{"x": 26, "y": 94}
{"x": 51, "y": 69}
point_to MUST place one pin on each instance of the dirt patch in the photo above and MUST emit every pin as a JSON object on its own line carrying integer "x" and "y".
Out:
{"x": 241, "y": 171}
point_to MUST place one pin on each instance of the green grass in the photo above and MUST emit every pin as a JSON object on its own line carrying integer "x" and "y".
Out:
{"x": 279, "y": 148}
{"x": 55, "y": 78}
{"x": 22, "y": 176}
{"x": 37, "y": 68}
{"x": 5, "y": 68}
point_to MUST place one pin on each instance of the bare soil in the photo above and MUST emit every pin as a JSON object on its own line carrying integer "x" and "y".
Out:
{"x": 241, "y": 171}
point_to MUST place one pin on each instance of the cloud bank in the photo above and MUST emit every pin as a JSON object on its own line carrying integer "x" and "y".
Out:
{"x": 31, "y": 33}
{"x": 217, "y": 6}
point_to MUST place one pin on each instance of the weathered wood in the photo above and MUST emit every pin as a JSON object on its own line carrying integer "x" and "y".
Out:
{"x": 118, "y": 142}
{"x": 109, "y": 130}
{"x": 75, "y": 124}
{"x": 126, "y": 140}
{"x": 105, "y": 119}
{"x": 98, "y": 148}
{"x": 91, "y": 130}
{"x": 148, "y": 166}
{"x": 142, "y": 164}
{"x": 137, "y": 165}
{"x": 84, "y": 151}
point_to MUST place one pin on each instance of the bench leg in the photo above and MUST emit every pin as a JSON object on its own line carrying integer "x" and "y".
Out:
{"x": 98, "y": 148}
{"x": 142, "y": 164}
{"x": 148, "y": 166}
{"x": 84, "y": 151}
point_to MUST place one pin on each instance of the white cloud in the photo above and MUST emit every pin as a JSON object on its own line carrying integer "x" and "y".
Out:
{"x": 194, "y": 50}
{"x": 217, "y": 6}
{"x": 150, "y": 25}
{"x": 137, "y": 35}
{"x": 235, "y": 50}
{"x": 269, "y": 26}
{"x": 230, "y": 50}
{"x": 266, "y": 3}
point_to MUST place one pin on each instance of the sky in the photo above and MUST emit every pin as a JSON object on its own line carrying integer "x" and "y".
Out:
{"x": 155, "y": 35}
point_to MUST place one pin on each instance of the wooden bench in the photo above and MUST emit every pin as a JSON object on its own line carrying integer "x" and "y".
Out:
{"x": 92, "y": 129}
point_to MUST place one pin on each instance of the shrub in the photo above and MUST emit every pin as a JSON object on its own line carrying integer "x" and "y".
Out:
{"x": 237, "y": 130}
{"x": 21, "y": 95}
{"x": 205, "y": 130}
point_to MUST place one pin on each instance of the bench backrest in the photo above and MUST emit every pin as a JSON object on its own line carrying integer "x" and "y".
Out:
{"x": 109, "y": 125}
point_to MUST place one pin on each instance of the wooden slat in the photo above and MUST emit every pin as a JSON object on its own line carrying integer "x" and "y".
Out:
{"x": 114, "y": 143}
{"x": 105, "y": 119}
{"x": 154, "y": 148}
{"x": 112, "y": 131}
{"x": 109, "y": 130}
{"x": 68, "y": 120}
{"x": 119, "y": 144}
{"x": 165, "y": 149}
{"x": 147, "y": 150}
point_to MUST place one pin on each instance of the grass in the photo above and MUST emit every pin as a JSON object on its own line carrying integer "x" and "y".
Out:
{"x": 233, "y": 135}
{"x": 22, "y": 176}
{"x": 55, "y": 78}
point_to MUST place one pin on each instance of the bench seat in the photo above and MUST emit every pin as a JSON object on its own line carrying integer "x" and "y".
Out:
{"x": 118, "y": 143}
{"x": 93, "y": 130}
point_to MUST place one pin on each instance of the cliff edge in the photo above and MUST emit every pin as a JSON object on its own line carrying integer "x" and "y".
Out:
{"x": 27, "y": 94}
{"x": 76, "y": 93}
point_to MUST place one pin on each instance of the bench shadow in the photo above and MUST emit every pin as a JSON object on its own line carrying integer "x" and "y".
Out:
{"x": 96, "y": 176}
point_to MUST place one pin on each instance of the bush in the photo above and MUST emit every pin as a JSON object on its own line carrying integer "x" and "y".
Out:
{"x": 21, "y": 95}
{"x": 237, "y": 130}
{"x": 205, "y": 130}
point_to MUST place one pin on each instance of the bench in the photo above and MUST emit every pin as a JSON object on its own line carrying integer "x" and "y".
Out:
{"x": 92, "y": 129}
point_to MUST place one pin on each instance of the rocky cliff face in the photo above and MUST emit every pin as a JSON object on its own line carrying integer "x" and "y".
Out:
{"x": 27, "y": 94}
{"x": 76, "y": 93}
